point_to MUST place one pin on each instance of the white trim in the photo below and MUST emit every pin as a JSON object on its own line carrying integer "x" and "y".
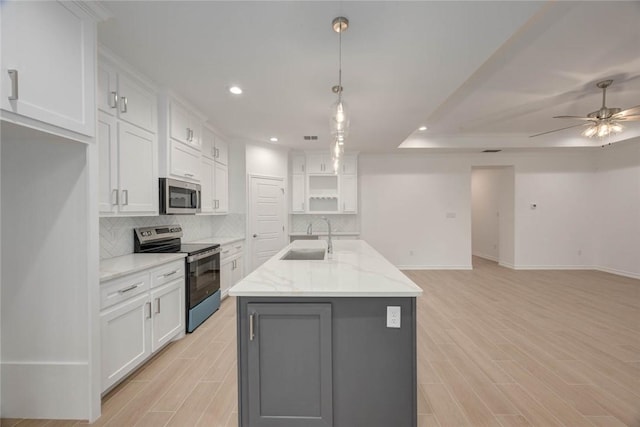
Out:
{"x": 434, "y": 267}
{"x": 553, "y": 267}
{"x": 506, "y": 265}
{"x": 486, "y": 256}
{"x": 623, "y": 273}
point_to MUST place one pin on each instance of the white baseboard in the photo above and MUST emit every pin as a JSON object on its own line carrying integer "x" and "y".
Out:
{"x": 617, "y": 272}
{"x": 434, "y": 267}
{"x": 553, "y": 267}
{"x": 46, "y": 390}
{"x": 506, "y": 264}
{"x": 486, "y": 256}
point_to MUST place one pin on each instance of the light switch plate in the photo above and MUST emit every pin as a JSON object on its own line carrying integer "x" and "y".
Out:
{"x": 393, "y": 317}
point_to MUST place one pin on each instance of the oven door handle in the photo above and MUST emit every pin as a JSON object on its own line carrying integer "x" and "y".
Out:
{"x": 203, "y": 255}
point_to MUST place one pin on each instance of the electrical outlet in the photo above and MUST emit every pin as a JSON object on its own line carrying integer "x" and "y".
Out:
{"x": 393, "y": 317}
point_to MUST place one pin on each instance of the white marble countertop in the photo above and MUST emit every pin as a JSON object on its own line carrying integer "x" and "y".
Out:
{"x": 354, "y": 269}
{"x": 224, "y": 240}
{"x": 113, "y": 268}
{"x": 325, "y": 233}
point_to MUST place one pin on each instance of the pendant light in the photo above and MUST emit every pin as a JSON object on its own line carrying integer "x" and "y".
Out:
{"x": 339, "y": 118}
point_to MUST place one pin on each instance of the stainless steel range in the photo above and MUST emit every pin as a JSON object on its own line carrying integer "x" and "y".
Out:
{"x": 202, "y": 267}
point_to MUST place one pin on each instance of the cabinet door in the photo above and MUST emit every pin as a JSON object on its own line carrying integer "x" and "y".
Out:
{"x": 137, "y": 170}
{"x": 108, "y": 144}
{"x": 222, "y": 188}
{"x": 125, "y": 334}
{"x": 238, "y": 270}
{"x": 222, "y": 152}
{"x": 317, "y": 163}
{"x": 297, "y": 194}
{"x": 50, "y": 49}
{"x": 289, "y": 365}
{"x": 185, "y": 162}
{"x": 208, "y": 143}
{"x": 107, "y": 89}
{"x": 179, "y": 123}
{"x": 207, "y": 185}
{"x": 137, "y": 105}
{"x": 297, "y": 164}
{"x": 350, "y": 164}
{"x": 349, "y": 189}
{"x": 168, "y": 307}
{"x": 226, "y": 276}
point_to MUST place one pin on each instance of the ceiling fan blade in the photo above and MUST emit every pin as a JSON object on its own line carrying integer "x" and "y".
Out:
{"x": 557, "y": 130}
{"x": 627, "y": 118}
{"x": 633, "y": 111}
{"x": 574, "y": 118}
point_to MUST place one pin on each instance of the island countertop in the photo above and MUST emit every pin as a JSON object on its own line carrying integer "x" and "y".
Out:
{"x": 354, "y": 269}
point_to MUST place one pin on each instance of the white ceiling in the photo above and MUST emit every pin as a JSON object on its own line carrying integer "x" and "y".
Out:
{"x": 479, "y": 74}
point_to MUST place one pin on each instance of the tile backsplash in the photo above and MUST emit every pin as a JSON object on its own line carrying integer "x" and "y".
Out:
{"x": 116, "y": 233}
{"x": 339, "y": 223}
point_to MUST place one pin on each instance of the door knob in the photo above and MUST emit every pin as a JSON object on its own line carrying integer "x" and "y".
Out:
{"x": 255, "y": 235}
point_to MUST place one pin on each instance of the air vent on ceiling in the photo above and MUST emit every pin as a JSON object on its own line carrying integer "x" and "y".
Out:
{"x": 311, "y": 137}
{"x": 491, "y": 151}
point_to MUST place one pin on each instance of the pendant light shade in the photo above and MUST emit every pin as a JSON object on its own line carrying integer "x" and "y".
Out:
{"x": 339, "y": 112}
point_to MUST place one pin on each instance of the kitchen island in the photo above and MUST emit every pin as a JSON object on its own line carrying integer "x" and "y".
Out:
{"x": 329, "y": 341}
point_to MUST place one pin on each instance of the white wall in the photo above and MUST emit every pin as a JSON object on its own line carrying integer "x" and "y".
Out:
{"x": 506, "y": 245}
{"x": 267, "y": 160}
{"x": 617, "y": 220}
{"x": 485, "y": 209}
{"x": 237, "y": 178}
{"x": 45, "y": 306}
{"x": 405, "y": 200}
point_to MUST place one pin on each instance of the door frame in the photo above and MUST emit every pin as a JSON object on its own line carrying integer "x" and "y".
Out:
{"x": 249, "y": 265}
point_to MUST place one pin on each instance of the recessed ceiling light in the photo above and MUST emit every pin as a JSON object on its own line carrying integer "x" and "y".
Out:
{"x": 421, "y": 128}
{"x": 236, "y": 90}
{"x": 273, "y": 139}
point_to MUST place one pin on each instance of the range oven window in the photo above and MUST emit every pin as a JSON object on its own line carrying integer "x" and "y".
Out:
{"x": 203, "y": 279}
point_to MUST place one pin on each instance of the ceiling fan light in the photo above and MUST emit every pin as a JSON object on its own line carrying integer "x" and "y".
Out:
{"x": 603, "y": 130}
{"x": 616, "y": 127}
{"x": 590, "y": 131}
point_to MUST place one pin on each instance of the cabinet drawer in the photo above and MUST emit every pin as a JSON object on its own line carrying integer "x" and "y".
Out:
{"x": 167, "y": 273}
{"x": 230, "y": 250}
{"x": 119, "y": 290}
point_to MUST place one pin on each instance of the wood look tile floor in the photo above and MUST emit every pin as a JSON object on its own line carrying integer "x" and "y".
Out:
{"x": 496, "y": 347}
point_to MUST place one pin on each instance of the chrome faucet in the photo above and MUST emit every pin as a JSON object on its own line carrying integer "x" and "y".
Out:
{"x": 310, "y": 229}
{"x": 329, "y": 244}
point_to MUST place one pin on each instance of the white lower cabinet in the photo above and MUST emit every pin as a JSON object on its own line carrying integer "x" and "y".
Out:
{"x": 140, "y": 313}
{"x": 126, "y": 339}
{"x": 231, "y": 266}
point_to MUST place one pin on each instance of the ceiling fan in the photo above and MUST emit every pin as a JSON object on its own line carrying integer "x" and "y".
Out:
{"x": 604, "y": 121}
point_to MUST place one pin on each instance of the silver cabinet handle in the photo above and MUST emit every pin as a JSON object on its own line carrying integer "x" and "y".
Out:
{"x": 170, "y": 274}
{"x": 148, "y": 306}
{"x": 303, "y": 168}
{"x": 123, "y": 104}
{"x": 130, "y": 288}
{"x": 125, "y": 197}
{"x": 188, "y": 134}
{"x": 188, "y": 174}
{"x": 157, "y": 305}
{"x": 233, "y": 264}
{"x": 225, "y": 252}
{"x": 255, "y": 235}
{"x": 113, "y": 101}
{"x": 114, "y": 197}
{"x": 251, "y": 331}
{"x": 13, "y": 75}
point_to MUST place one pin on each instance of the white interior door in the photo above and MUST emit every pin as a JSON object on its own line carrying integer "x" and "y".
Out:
{"x": 267, "y": 217}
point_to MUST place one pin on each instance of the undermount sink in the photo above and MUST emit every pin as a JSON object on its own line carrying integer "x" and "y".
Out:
{"x": 304, "y": 254}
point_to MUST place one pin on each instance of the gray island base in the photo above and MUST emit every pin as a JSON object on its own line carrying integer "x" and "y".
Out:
{"x": 314, "y": 346}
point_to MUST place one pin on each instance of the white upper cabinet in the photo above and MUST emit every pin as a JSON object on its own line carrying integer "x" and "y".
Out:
{"x": 125, "y": 97}
{"x": 208, "y": 143}
{"x": 350, "y": 164}
{"x": 222, "y": 189}
{"x": 319, "y": 163}
{"x": 297, "y": 164}
{"x": 127, "y": 126}
{"x": 48, "y": 67}
{"x": 297, "y": 193}
{"x": 185, "y": 126}
{"x": 221, "y": 151}
{"x": 349, "y": 194}
{"x": 207, "y": 183}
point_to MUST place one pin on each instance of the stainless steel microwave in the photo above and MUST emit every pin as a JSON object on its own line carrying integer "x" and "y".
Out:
{"x": 179, "y": 197}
